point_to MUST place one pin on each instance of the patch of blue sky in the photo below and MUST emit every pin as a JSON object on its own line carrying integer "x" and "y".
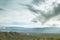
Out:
{"x": 22, "y": 23}
{"x": 13, "y": 4}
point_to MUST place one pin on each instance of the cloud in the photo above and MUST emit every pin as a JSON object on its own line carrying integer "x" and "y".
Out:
{"x": 10, "y": 16}
{"x": 14, "y": 14}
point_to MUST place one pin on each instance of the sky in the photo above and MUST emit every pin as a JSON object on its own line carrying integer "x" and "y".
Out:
{"x": 14, "y": 14}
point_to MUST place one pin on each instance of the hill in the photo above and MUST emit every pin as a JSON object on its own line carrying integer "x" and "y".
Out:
{"x": 26, "y": 30}
{"x": 19, "y": 36}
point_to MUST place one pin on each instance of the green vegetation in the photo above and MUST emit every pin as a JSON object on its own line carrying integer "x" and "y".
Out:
{"x": 20, "y": 36}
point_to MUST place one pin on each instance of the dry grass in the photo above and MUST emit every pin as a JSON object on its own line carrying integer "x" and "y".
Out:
{"x": 18, "y": 36}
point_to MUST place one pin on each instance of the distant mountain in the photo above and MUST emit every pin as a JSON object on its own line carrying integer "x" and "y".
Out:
{"x": 48, "y": 29}
{"x": 36, "y": 30}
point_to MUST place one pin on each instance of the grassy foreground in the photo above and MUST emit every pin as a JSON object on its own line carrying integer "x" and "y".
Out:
{"x": 19, "y": 36}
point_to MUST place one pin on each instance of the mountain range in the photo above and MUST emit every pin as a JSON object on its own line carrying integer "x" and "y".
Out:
{"x": 36, "y": 30}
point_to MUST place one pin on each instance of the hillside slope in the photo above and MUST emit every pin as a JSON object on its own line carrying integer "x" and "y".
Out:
{"x": 18, "y": 36}
{"x": 14, "y": 36}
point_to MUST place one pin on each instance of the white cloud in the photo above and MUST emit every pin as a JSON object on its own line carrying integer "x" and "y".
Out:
{"x": 10, "y": 16}
{"x": 15, "y": 15}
